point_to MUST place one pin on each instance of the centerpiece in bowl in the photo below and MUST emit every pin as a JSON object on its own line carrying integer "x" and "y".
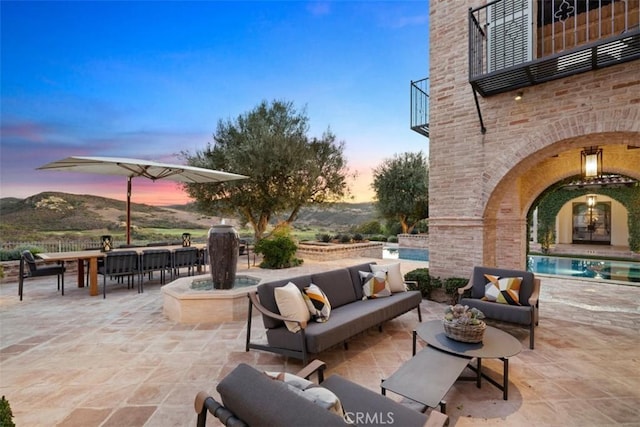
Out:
{"x": 464, "y": 324}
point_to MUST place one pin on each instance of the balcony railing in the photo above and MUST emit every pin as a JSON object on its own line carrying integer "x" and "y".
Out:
{"x": 420, "y": 106}
{"x": 520, "y": 43}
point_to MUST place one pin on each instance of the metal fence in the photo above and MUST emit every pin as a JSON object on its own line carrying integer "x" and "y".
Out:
{"x": 53, "y": 245}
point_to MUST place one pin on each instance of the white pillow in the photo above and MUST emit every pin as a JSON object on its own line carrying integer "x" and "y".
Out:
{"x": 291, "y": 305}
{"x": 394, "y": 276}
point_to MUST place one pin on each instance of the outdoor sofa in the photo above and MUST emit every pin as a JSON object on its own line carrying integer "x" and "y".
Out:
{"x": 524, "y": 311}
{"x": 252, "y": 398}
{"x": 350, "y": 313}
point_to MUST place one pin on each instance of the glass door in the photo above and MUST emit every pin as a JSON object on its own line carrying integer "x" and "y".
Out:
{"x": 592, "y": 224}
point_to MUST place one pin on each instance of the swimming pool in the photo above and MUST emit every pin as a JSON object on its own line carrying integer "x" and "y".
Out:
{"x": 625, "y": 271}
{"x": 411, "y": 254}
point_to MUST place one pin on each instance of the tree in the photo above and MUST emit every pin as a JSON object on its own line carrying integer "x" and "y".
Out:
{"x": 287, "y": 169}
{"x": 401, "y": 185}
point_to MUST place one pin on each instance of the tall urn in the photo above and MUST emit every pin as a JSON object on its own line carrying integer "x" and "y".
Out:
{"x": 223, "y": 245}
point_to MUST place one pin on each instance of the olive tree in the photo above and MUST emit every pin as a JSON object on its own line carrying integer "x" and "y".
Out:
{"x": 287, "y": 169}
{"x": 401, "y": 186}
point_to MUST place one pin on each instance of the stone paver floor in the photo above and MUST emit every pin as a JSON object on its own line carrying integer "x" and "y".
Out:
{"x": 84, "y": 361}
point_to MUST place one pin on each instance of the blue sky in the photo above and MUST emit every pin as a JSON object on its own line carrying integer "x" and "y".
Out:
{"x": 151, "y": 79}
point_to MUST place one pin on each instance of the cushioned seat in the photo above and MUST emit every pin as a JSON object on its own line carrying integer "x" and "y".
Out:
{"x": 32, "y": 270}
{"x": 523, "y": 311}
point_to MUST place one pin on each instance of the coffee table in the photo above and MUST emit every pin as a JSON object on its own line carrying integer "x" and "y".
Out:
{"x": 427, "y": 377}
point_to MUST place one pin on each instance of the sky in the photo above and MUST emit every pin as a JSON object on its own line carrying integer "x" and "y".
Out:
{"x": 150, "y": 80}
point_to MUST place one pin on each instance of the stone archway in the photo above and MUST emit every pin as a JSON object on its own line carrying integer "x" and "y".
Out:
{"x": 543, "y": 163}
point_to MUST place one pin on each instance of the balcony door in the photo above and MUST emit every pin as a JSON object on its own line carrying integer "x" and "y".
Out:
{"x": 509, "y": 33}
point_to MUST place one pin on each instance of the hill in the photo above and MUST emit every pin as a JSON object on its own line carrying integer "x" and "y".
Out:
{"x": 22, "y": 219}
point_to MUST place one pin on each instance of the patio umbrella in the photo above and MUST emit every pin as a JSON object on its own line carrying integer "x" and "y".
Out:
{"x": 136, "y": 167}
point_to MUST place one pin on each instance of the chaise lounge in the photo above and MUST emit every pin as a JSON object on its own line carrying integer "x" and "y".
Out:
{"x": 251, "y": 398}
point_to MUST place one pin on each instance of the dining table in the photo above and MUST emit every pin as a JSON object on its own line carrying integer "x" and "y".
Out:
{"x": 92, "y": 256}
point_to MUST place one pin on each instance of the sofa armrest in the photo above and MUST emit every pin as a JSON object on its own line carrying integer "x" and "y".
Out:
{"x": 204, "y": 404}
{"x": 315, "y": 366}
{"x": 253, "y": 297}
{"x": 535, "y": 295}
{"x": 468, "y": 286}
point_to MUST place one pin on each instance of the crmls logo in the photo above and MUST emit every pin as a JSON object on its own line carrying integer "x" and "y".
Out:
{"x": 379, "y": 418}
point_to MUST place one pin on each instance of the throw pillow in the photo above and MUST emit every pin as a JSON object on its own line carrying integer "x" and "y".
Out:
{"x": 310, "y": 391}
{"x": 317, "y": 303}
{"x": 291, "y": 305}
{"x": 374, "y": 285}
{"x": 505, "y": 290}
{"x": 394, "y": 276}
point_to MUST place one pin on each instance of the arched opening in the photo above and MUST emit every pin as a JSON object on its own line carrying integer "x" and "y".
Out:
{"x": 505, "y": 231}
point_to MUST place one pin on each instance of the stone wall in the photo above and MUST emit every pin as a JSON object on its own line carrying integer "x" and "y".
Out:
{"x": 330, "y": 251}
{"x": 413, "y": 241}
{"x": 481, "y": 186}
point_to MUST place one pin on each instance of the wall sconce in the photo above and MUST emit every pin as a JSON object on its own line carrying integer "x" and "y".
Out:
{"x": 591, "y": 200}
{"x": 591, "y": 162}
{"x": 518, "y": 96}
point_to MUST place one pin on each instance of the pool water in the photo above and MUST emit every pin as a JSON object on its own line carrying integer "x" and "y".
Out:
{"x": 626, "y": 271}
{"x": 410, "y": 254}
{"x": 240, "y": 282}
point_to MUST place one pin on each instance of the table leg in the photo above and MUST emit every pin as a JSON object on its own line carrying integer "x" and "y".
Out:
{"x": 479, "y": 373}
{"x": 81, "y": 273}
{"x": 414, "y": 342}
{"x": 93, "y": 276}
{"x": 505, "y": 376}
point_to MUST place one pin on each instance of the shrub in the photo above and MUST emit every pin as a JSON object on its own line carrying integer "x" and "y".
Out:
{"x": 358, "y": 237}
{"x": 324, "y": 237}
{"x": 392, "y": 239}
{"x": 452, "y": 284}
{"x": 15, "y": 254}
{"x": 345, "y": 238}
{"x": 425, "y": 283}
{"x": 371, "y": 227}
{"x": 278, "y": 251}
{"x": 6, "y": 416}
{"x": 378, "y": 238}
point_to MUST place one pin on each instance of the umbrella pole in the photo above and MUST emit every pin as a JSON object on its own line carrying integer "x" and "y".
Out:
{"x": 128, "y": 210}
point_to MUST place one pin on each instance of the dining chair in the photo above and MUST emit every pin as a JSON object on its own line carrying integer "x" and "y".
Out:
{"x": 119, "y": 264}
{"x": 154, "y": 260}
{"x": 32, "y": 270}
{"x": 185, "y": 258}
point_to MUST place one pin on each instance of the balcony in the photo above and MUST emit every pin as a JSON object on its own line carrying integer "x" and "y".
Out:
{"x": 420, "y": 106}
{"x": 519, "y": 43}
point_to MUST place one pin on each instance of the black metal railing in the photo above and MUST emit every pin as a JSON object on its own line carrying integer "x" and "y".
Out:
{"x": 420, "y": 106}
{"x": 511, "y": 47}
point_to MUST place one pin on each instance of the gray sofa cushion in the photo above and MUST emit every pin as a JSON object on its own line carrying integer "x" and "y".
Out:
{"x": 337, "y": 285}
{"x": 367, "y": 408}
{"x": 479, "y": 281}
{"x": 506, "y": 313}
{"x": 261, "y": 401}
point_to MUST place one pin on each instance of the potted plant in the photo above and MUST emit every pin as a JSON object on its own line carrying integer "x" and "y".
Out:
{"x": 465, "y": 324}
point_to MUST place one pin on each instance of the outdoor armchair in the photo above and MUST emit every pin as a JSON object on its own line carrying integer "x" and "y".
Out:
{"x": 185, "y": 258}
{"x": 523, "y": 310}
{"x": 32, "y": 270}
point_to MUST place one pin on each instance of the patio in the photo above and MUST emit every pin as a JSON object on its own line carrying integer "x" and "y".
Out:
{"x": 84, "y": 361}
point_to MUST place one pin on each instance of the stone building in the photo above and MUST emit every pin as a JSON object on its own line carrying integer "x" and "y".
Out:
{"x": 519, "y": 94}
